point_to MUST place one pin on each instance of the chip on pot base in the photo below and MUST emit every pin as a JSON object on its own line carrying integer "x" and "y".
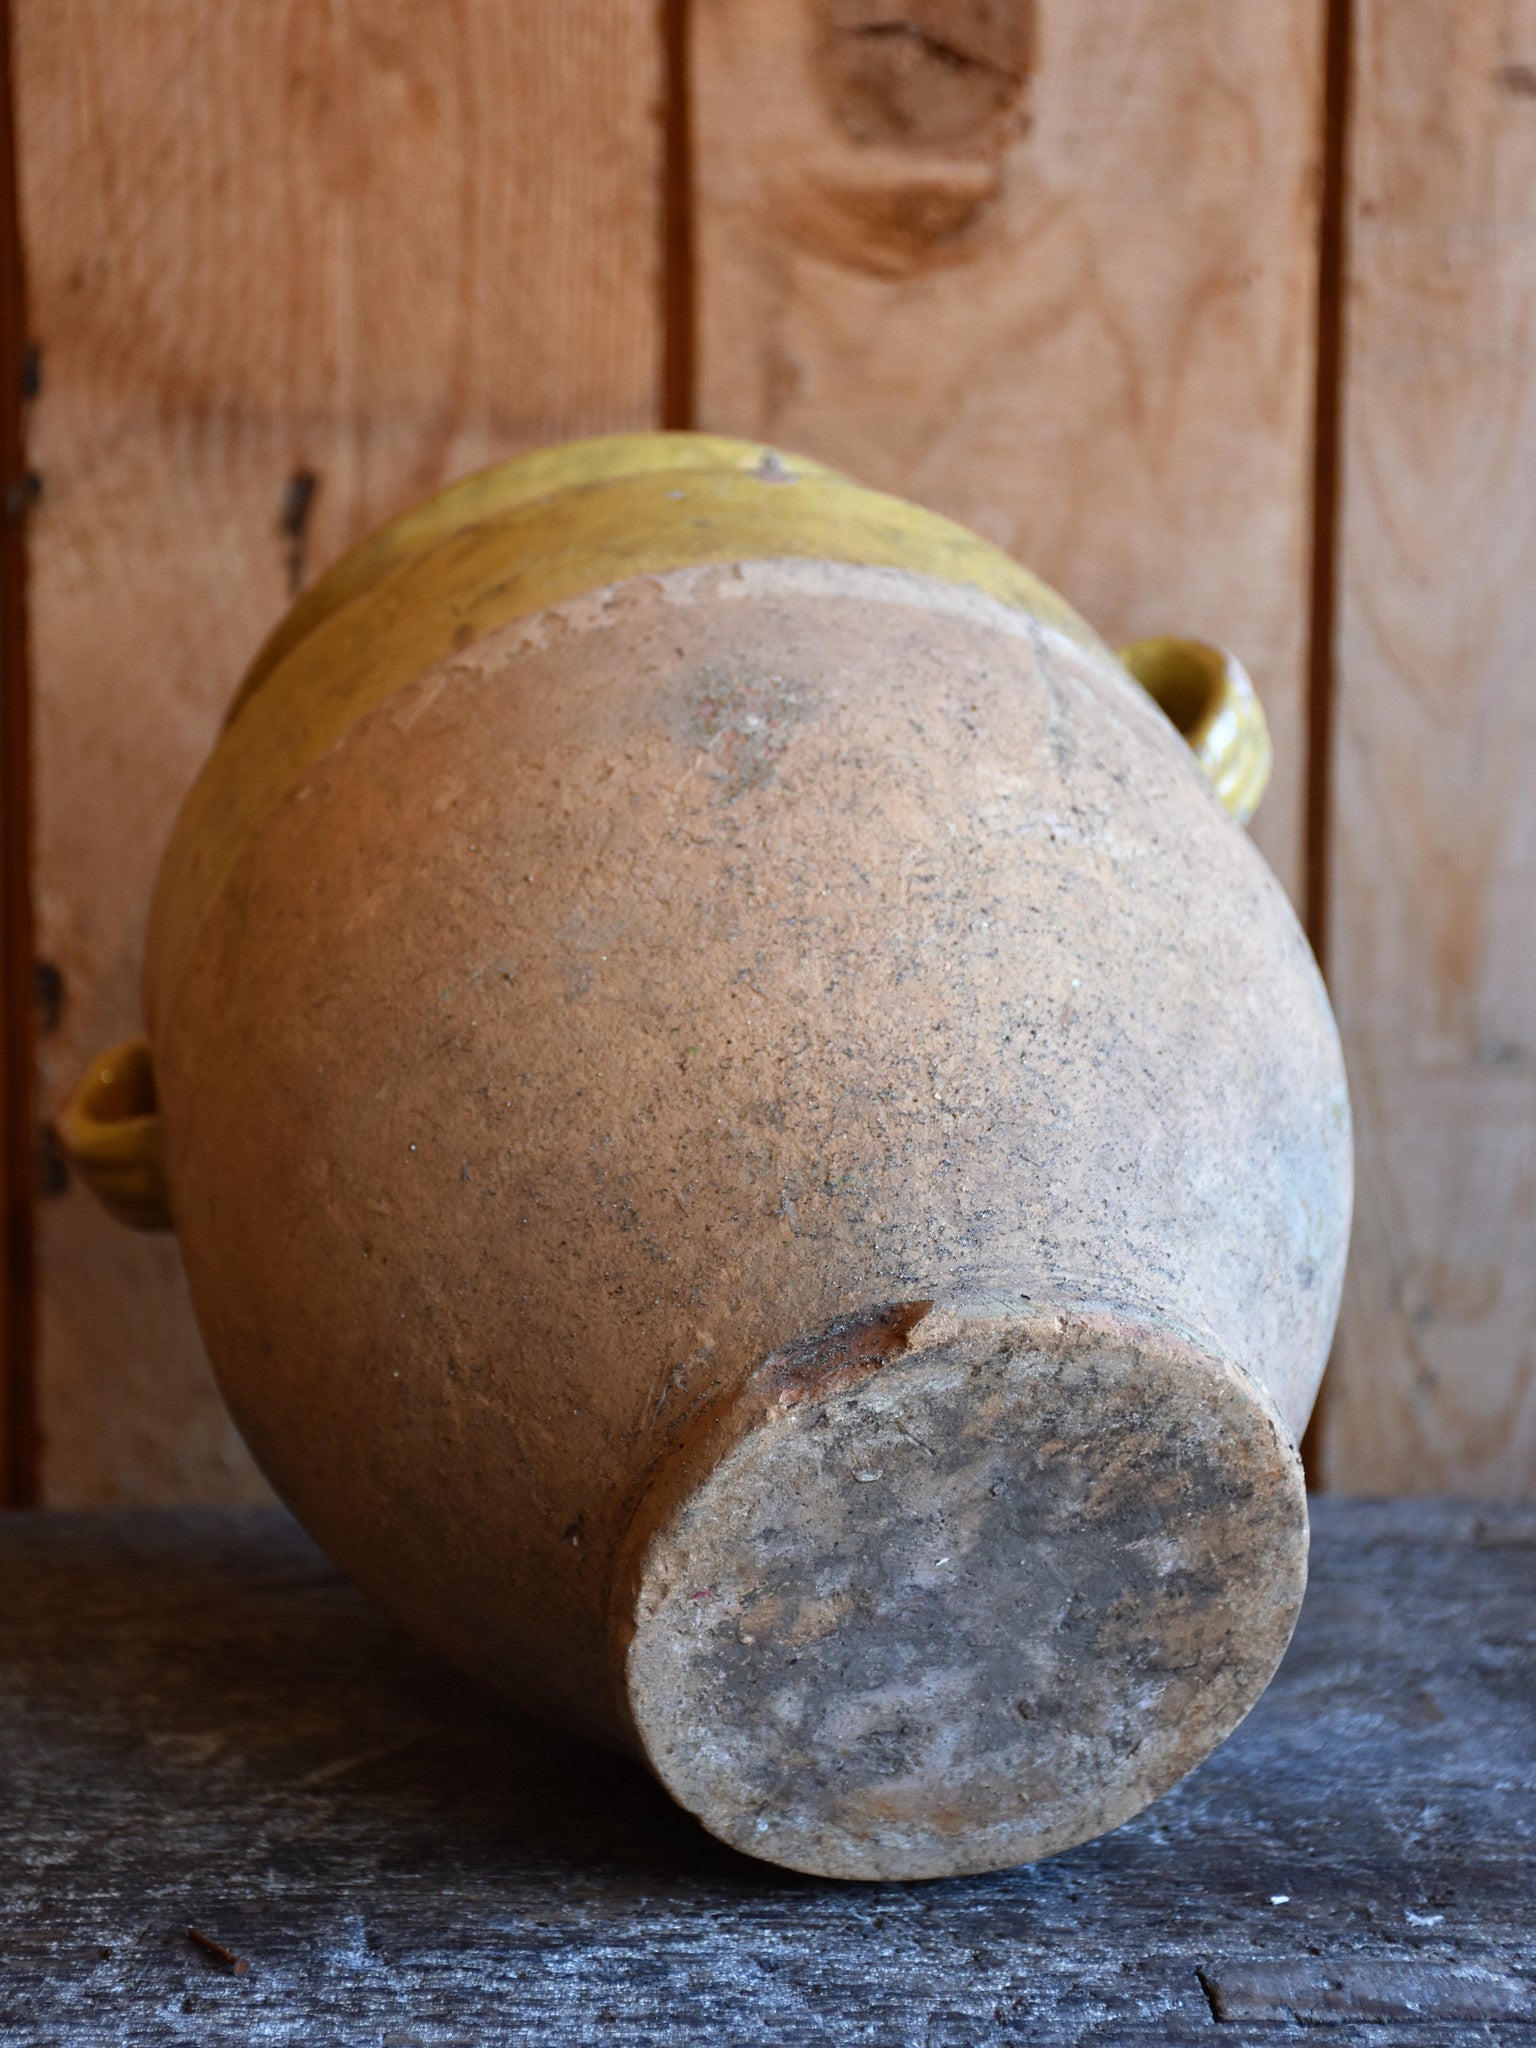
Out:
{"x": 758, "y": 1155}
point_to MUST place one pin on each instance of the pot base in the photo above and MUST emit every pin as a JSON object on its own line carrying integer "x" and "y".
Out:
{"x": 966, "y": 1586}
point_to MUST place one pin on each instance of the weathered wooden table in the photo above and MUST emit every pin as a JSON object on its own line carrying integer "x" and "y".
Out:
{"x": 202, "y": 1727}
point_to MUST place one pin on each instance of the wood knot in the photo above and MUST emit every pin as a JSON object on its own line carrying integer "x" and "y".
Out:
{"x": 919, "y": 105}
{"x": 930, "y": 74}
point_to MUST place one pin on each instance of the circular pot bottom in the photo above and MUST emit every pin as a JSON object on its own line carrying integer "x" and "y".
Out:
{"x": 957, "y": 1585}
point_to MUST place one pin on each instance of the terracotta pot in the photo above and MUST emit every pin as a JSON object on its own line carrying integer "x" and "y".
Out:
{"x": 758, "y": 1155}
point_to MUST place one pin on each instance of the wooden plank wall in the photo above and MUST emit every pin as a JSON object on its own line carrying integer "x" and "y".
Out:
{"x": 1433, "y": 847}
{"x": 290, "y": 266}
{"x": 1051, "y": 265}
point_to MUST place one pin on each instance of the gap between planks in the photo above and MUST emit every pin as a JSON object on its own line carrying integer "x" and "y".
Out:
{"x": 677, "y": 405}
{"x": 18, "y": 1408}
{"x": 1327, "y": 438}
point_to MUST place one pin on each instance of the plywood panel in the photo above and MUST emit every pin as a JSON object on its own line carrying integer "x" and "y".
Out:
{"x": 367, "y": 244}
{"x": 1051, "y": 269}
{"x": 1433, "y": 952}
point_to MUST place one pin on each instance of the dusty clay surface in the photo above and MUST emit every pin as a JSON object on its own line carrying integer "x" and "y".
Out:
{"x": 670, "y": 976}
{"x": 973, "y": 1606}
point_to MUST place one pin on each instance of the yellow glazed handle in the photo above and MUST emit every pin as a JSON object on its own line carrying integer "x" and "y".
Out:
{"x": 1209, "y": 697}
{"x": 110, "y": 1129}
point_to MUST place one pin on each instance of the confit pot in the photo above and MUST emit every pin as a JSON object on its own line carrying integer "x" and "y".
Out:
{"x": 758, "y": 1155}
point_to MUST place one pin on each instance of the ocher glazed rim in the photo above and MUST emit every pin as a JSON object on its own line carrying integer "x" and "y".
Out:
{"x": 505, "y": 545}
{"x": 530, "y": 479}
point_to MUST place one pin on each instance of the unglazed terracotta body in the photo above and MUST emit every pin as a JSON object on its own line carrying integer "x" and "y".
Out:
{"x": 762, "y": 1163}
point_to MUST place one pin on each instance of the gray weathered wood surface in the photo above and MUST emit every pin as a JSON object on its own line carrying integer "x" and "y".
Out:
{"x": 201, "y": 1726}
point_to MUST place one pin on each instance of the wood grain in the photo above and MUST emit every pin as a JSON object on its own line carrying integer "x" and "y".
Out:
{"x": 1049, "y": 268}
{"x": 201, "y": 1727}
{"x": 291, "y": 267}
{"x": 1434, "y": 826}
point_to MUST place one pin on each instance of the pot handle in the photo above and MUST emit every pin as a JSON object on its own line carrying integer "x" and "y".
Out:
{"x": 1209, "y": 697}
{"x": 110, "y": 1131}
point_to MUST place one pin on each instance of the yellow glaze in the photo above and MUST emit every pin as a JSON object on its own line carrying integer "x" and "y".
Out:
{"x": 502, "y": 488}
{"x": 398, "y": 606}
{"x": 110, "y": 1127}
{"x": 504, "y": 545}
{"x": 1207, "y": 694}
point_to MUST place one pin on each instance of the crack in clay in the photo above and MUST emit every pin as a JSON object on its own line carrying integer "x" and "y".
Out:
{"x": 839, "y": 1357}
